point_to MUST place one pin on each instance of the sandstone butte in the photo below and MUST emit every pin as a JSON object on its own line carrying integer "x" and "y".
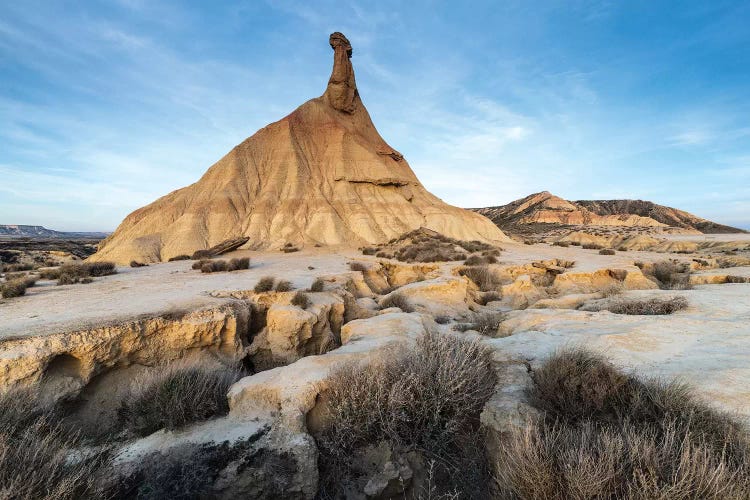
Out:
{"x": 321, "y": 175}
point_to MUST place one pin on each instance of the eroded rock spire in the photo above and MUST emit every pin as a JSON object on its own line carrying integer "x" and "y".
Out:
{"x": 342, "y": 89}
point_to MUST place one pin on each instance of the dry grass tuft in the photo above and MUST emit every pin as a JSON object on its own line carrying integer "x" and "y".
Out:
{"x": 135, "y": 263}
{"x": 284, "y": 286}
{"x": 485, "y": 323}
{"x": 397, "y": 300}
{"x": 606, "y": 434}
{"x": 36, "y": 460}
{"x": 482, "y": 276}
{"x": 318, "y": 285}
{"x": 176, "y": 396}
{"x": 301, "y": 300}
{"x": 607, "y": 251}
{"x": 265, "y": 284}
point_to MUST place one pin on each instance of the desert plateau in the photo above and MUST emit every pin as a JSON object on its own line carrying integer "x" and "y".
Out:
{"x": 306, "y": 320}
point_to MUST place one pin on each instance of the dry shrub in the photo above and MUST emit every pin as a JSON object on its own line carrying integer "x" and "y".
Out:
{"x": 426, "y": 398}
{"x": 563, "y": 244}
{"x": 239, "y": 264}
{"x": 606, "y": 434}
{"x": 284, "y": 286}
{"x": 738, "y": 279}
{"x": 179, "y": 257}
{"x": 482, "y": 276}
{"x": 36, "y": 453}
{"x": 77, "y": 272}
{"x": 16, "y": 287}
{"x": 357, "y": 266}
{"x": 301, "y": 300}
{"x": 606, "y": 251}
{"x": 49, "y": 274}
{"x": 652, "y": 306}
{"x": 265, "y": 284}
{"x": 289, "y": 248}
{"x": 397, "y": 300}
{"x": 214, "y": 266}
{"x": 318, "y": 285}
{"x": 199, "y": 264}
{"x": 672, "y": 275}
{"x": 485, "y": 323}
{"x": 575, "y": 243}
{"x": 174, "y": 396}
{"x": 135, "y": 263}
{"x": 592, "y": 246}
{"x": 480, "y": 260}
{"x": 369, "y": 251}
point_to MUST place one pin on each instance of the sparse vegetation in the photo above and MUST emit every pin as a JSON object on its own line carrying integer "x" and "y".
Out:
{"x": 176, "y": 396}
{"x": 672, "y": 275}
{"x": 318, "y": 285}
{"x": 289, "y": 248}
{"x": 35, "y": 453}
{"x": 397, "y": 300}
{"x": 425, "y": 245}
{"x": 301, "y": 300}
{"x": 480, "y": 260}
{"x": 265, "y": 284}
{"x": 357, "y": 266}
{"x": 16, "y": 287}
{"x": 427, "y": 399}
{"x": 606, "y": 251}
{"x": 563, "y": 244}
{"x": 606, "y": 434}
{"x": 216, "y": 266}
{"x": 652, "y": 306}
{"x": 239, "y": 264}
{"x": 135, "y": 263}
{"x": 592, "y": 246}
{"x": 82, "y": 272}
{"x": 482, "y": 276}
{"x": 484, "y": 323}
{"x": 179, "y": 257}
{"x": 284, "y": 286}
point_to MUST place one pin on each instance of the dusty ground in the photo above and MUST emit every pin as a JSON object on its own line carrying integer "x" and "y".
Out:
{"x": 48, "y": 308}
{"x": 706, "y": 345}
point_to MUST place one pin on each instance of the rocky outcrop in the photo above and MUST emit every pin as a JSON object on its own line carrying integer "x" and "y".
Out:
{"x": 63, "y": 363}
{"x": 321, "y": 175}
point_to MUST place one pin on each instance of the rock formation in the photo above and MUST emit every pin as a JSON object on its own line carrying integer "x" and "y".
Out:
{"x": 546, "y": 208}
{"x": 321, "y": 175}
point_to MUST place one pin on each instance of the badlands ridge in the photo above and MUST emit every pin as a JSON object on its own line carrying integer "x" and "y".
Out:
{"x": 321, "y": 175}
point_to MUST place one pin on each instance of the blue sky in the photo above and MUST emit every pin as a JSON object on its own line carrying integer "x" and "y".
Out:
{"x": 105, "y": 106}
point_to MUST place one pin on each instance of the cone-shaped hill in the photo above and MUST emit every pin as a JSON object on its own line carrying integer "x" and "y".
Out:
{"x": 321, "y": 175}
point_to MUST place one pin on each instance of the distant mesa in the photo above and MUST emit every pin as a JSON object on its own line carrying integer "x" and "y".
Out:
{"x": 546, "y": 208}
{"x": 25, "y": 231}
{"x": 321, "y": 175}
